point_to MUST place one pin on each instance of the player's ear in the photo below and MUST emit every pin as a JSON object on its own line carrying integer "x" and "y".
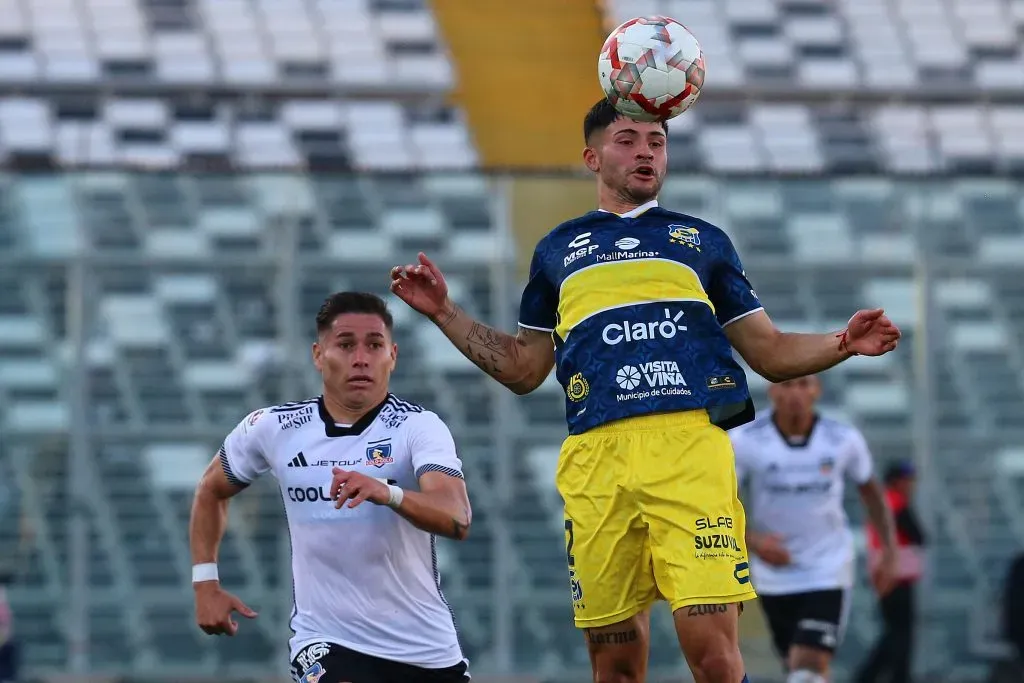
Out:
{"x": 590, "y": 159}
{"x": 317, "y": 354}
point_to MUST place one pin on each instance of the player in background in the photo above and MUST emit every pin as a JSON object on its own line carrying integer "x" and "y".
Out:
{"x": 794, "y": 463}
{"x": 637, "y": 306}
{"x": 367, "y": 480}
{"x": 892, "y": 657}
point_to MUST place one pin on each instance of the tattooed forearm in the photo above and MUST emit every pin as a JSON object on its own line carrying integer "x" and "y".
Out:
{"x": 520, "y": 362}
{"x": 703, "y": 610}
{"x": 448, "y": 316}
{"x": 490, "y": 339}
{"x": 489, "y": 349}
{"x": 612, "y": 637}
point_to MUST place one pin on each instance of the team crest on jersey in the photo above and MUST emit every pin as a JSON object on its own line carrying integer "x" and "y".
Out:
{"x": 314, "y": 673}
{"x": 379, "y": 454}
{"x": 578, "y": 388}
{"x": 826, "y": 465}
{"x": 680, "y": 234}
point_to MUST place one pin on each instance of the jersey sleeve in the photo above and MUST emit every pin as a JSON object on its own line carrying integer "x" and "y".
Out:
{"x": 242, "y": 456}
{"x": 731, "y": 292}
{"x": 432, "y": 447}
{"x": 538, "y": 308}
{"x": 860, "y": 467}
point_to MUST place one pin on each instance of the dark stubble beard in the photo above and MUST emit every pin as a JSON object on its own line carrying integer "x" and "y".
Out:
{"x": 639, "y": 197}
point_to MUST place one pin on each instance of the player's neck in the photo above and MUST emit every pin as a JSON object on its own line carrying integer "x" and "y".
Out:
{"x": 344, "y": 412}
{"x": 609, "y": 200}
{"x": 796, "y": 426}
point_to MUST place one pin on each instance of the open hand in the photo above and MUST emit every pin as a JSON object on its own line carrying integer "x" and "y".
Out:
{"x": 358, "y": 487}
{"x": 769, "y": 547}
{"x": 871, "y": 333}
{"x": 214, "y": 606}
{"x": 422, "y": 286}
{"x": 884, "y": 575}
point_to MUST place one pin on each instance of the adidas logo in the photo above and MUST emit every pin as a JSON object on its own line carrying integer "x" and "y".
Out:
{"x": 298, "y": 461}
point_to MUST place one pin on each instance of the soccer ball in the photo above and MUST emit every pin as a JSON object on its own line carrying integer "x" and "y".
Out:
{"x": 651, "y": 68}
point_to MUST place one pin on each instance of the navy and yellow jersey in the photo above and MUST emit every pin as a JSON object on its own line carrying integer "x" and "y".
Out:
{"x": 637, "y": 304}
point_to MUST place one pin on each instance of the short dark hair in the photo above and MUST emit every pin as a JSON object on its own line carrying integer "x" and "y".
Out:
{"x": 602, "y": 115}
{"x": 341, "y": 303}
{"x": 897, "y": 470}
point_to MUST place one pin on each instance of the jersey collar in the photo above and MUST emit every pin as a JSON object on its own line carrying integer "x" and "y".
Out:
{"x": 799, "y": 444}
{"x": 333, "y": 429}
{"x": 635, "y": 212}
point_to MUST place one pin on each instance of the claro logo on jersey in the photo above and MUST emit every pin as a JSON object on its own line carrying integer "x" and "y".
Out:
{"x": 653, "y": 378}
{"x": 629, "y": 331}
{"x": 579, "y": 248}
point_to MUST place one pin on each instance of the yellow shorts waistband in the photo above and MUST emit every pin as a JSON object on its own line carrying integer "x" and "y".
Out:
{"x": 679, "y": 419}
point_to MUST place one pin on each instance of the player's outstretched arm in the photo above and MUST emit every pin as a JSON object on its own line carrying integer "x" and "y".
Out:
{"x": 778, "y": 356}
{"x": 521, "y": 362}
{"x": 872, "y": 495}
{"x": 440, "y": 507}
{"x": 206, "y": 529}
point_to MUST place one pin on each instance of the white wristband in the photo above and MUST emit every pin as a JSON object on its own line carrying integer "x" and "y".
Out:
{"x": 397, "y": 494}
{"x": 205, "y": 572}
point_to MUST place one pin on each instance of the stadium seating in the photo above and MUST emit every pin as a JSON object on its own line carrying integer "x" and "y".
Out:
{"x": 859, "y": 45}
{"x": 162, "y": 132}
{"x": 203, "y": 282}
{"x": 179, "y": 341}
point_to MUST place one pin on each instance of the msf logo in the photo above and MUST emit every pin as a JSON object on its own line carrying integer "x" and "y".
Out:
{"x": 579, "y": 248}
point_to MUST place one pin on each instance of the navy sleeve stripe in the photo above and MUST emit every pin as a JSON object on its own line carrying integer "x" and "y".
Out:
{"x": 226, "y": 466}
{"x": 450, "y": 471}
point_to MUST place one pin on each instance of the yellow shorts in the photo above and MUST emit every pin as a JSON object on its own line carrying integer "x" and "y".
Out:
{"x": 652, "y": 513}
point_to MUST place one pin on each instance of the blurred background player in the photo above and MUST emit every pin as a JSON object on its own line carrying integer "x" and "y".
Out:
{"x": 793, "y": 463}
{"x": 892, "y": 657}
{"x": 1010, "y": 669}
{"x": 368, "y": 602}
{"x": 8, "y": 646}
{"x": 609, "y": 317}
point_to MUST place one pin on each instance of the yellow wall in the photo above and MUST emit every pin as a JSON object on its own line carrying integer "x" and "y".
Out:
{"x": 539, "y": 204}
{"x": 526, "y": 74}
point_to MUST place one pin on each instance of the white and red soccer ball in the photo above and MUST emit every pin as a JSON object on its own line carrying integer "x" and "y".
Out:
{"x": 651, "y": 68}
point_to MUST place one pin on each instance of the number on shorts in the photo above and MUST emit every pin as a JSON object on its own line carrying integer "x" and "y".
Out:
{"x": 568, "y": 544}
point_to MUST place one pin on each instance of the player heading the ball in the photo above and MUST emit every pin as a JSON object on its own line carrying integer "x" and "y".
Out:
{"x": 647, "y": 460}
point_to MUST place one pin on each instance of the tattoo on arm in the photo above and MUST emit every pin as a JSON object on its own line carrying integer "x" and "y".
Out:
{"x": 489, "y": 348}
{"x": 447, "y": 320}
{"x": 612, "y": 637}
{"x": 704, "y": 610}
{"x": 490, "y": 339}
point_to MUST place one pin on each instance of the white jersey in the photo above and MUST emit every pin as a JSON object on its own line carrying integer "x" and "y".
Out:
{"x": 796, "y": 491}
{"x": 362, "y": 578}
